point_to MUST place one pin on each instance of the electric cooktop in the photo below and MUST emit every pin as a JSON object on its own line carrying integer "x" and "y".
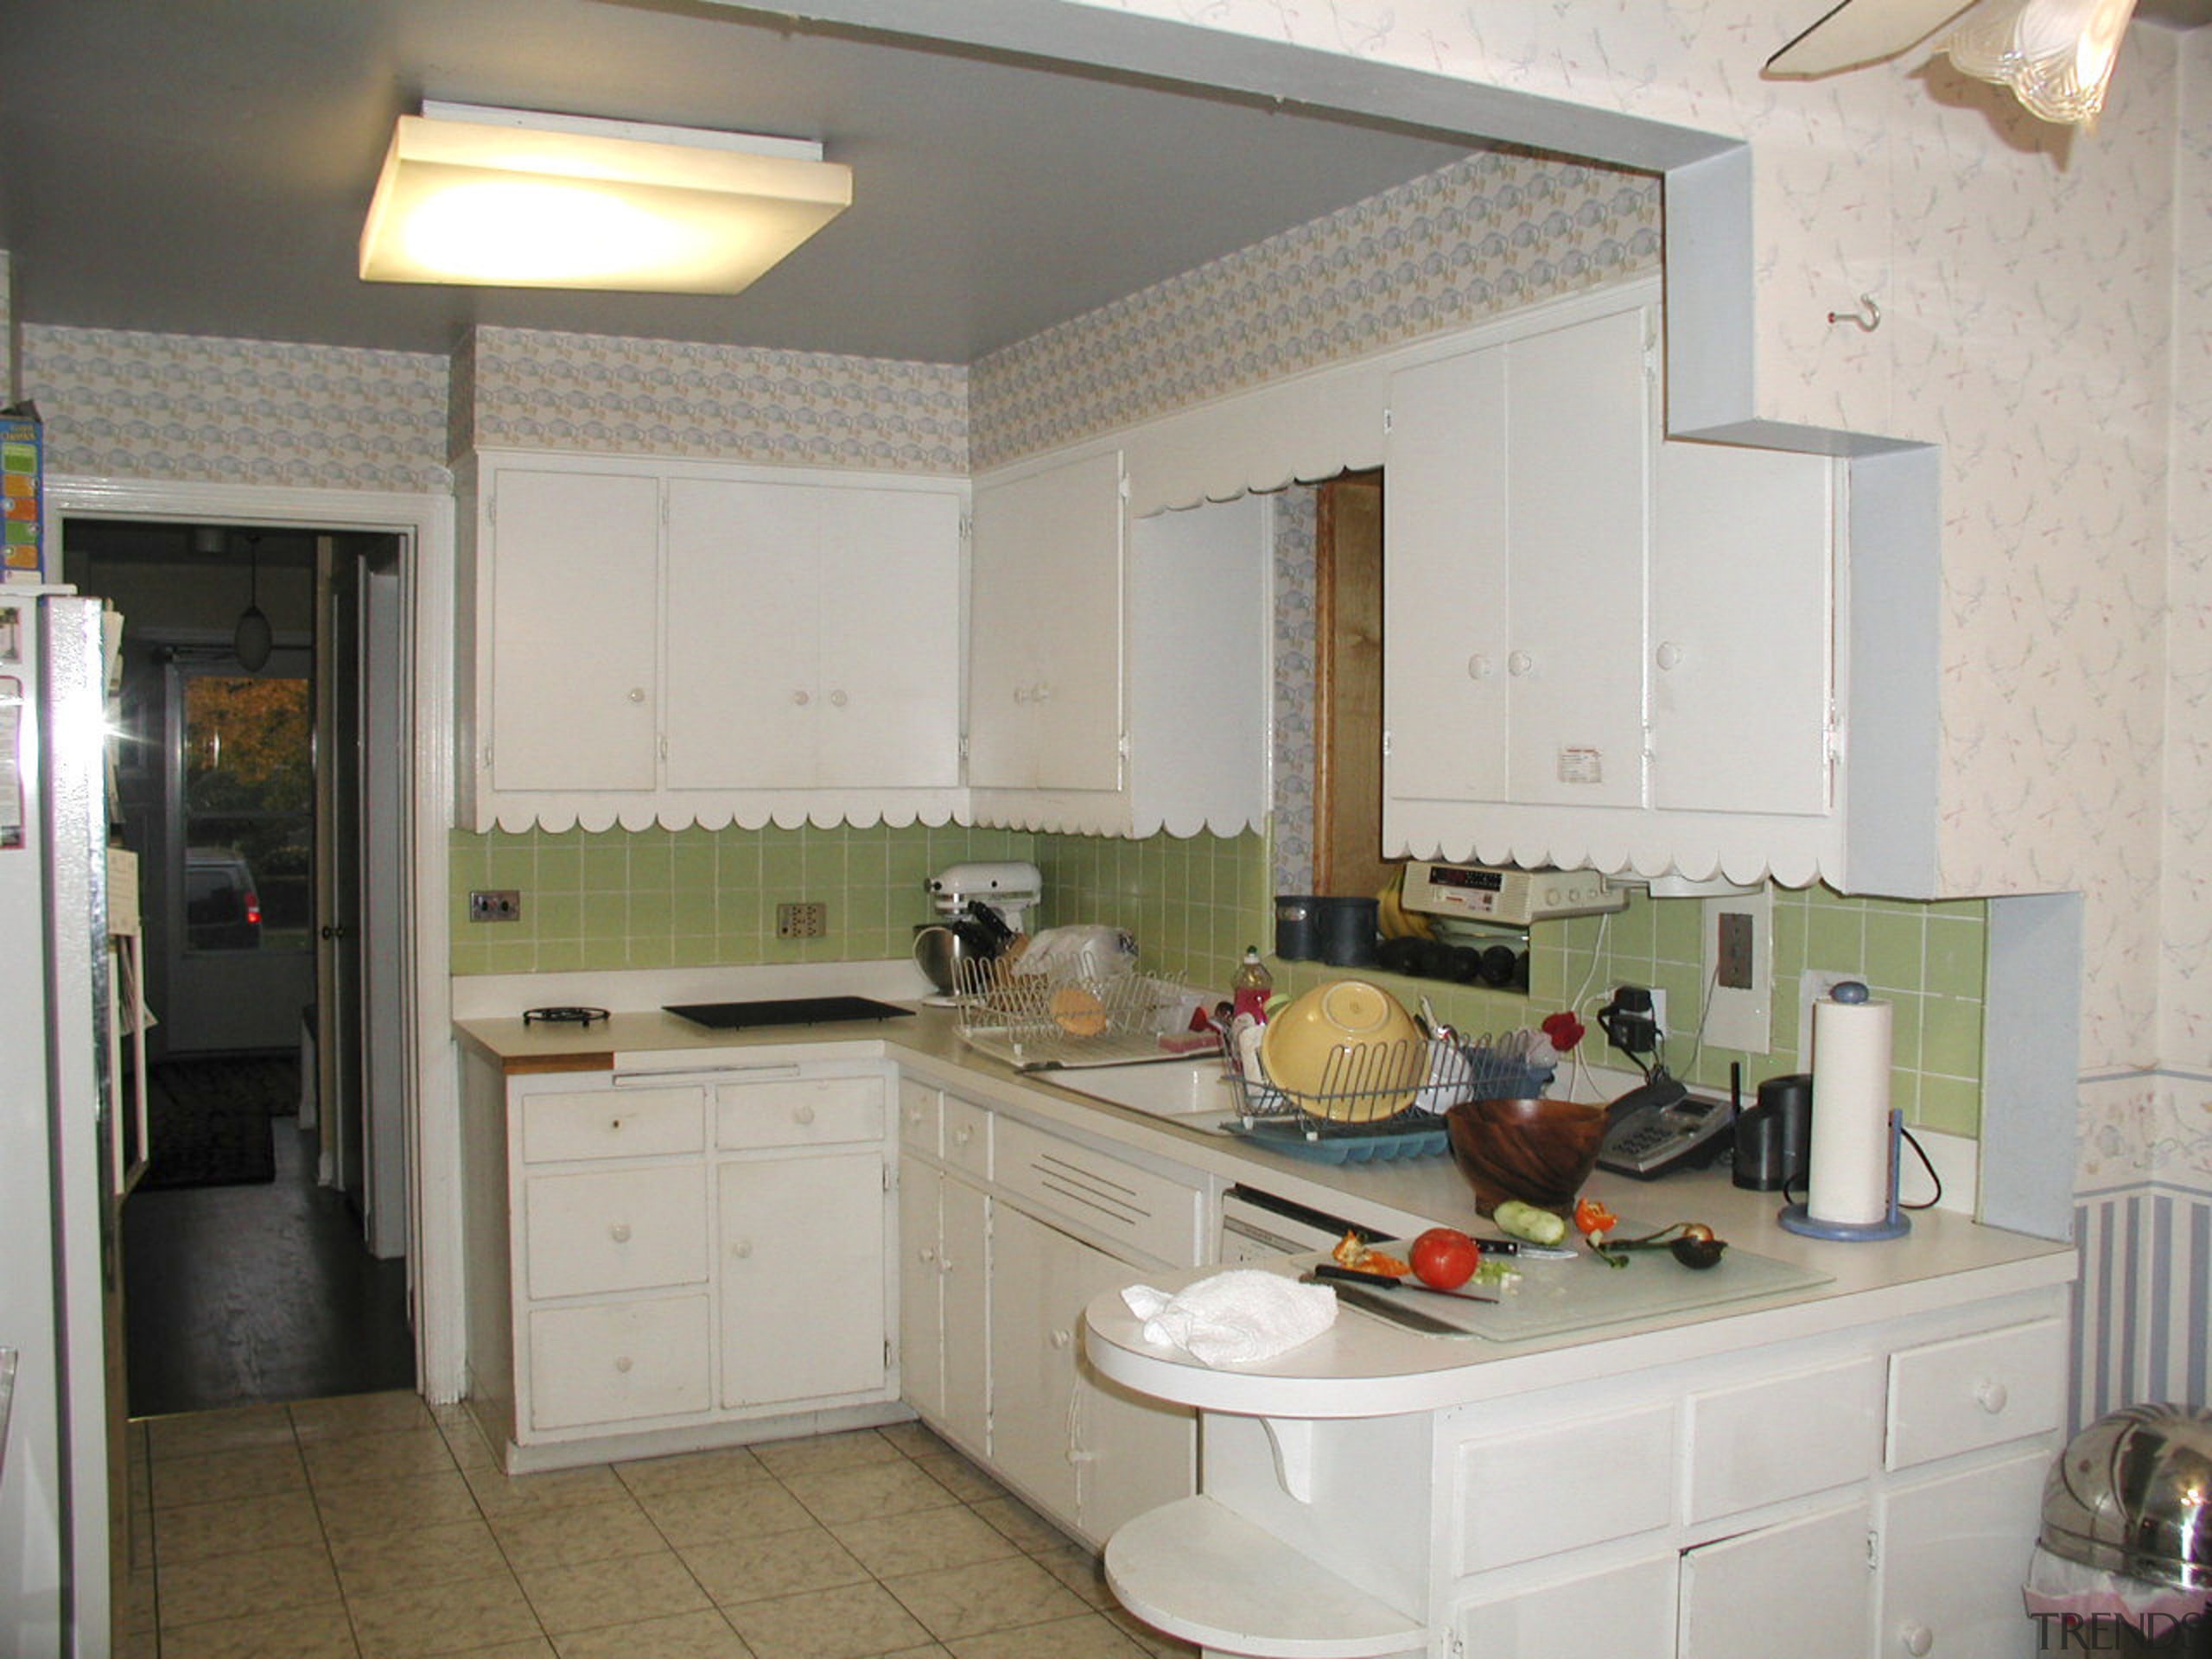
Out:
{"x": 785, "y": 1011}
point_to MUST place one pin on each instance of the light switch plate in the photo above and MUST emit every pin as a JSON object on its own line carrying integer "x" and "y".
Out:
{"x": 1739, "y": 1015}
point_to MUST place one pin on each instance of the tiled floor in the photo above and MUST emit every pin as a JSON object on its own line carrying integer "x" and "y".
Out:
{"x": 371, "y": 1527}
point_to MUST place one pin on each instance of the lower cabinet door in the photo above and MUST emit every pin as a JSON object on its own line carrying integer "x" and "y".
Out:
{"x": 1804, "y": 1588}
{"x": 1624, "y": 1612}
{"x": 921, "y": 1290}
{"x": 618, "y": 1362}
{"x": 804, "y": 1264}
{"x": 963, "y": 1258}
{"x": 1954, "y": 1554}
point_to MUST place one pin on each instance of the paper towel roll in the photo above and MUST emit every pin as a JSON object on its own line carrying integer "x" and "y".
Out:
{"x": 1849, "y": 1180}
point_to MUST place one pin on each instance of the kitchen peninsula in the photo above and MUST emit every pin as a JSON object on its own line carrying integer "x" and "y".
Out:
{"x": 657, "y": 1210}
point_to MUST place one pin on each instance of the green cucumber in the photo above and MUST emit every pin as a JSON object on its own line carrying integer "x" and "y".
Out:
{"x": 1525, "y": 1221}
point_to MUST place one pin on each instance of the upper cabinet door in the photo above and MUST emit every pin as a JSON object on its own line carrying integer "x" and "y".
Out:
{"x": 889, "y": 705}
{"x": 1579, "y": 438}
{"x": 1045, "y": 633}
{"x": 1447, "y": 581}
{"x": 575, "y": 609}
{"x": 1742, "y": 641}
{"x": 742, "y": 656}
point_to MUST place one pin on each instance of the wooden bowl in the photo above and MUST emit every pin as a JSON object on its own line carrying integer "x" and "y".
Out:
{"x": 1538, "y": 1151}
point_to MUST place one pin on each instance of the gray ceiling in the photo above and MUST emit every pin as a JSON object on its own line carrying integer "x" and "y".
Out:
{"x": 203, "y": 169}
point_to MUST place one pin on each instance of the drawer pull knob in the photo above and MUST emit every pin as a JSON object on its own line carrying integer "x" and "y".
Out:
{"x": 619, "y": 1232}
{"x": 837, "y": 699}
{"x": 637, "y": 694}
{"x": 926, "y": 1254}
{"x": 742, "y": 1249}
{"x": 1479, "y": 666}
{"x": 964, "y": 1134}
{"x": 1918, "y": 1639}
{"x": 1062, "y": 1338}
{"x": 1669, "y": 656}
{"x": 801, "y": 699}
{"x": 623, "y": 1364}
{"x": 1519, "y": 663}
{"x": 1992, "y": 1397}
{"x": 803, "y": 1114}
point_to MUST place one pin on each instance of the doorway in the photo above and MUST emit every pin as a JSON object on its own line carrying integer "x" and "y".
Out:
{"x": 264, "y": 1252}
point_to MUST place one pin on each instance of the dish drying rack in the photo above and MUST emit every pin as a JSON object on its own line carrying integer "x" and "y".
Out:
{"x": 1359, "y": 1112}
{"x": 1063, "y": 1018}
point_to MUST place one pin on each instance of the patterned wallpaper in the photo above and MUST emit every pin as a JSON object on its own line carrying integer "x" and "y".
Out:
{"x": 1480, "y": 237}
{"x": 538, "y": 390}
{"x": 178, "y": 407}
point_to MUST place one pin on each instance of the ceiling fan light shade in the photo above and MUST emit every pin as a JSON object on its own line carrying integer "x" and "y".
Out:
{"x": 2056, "y": 55}
{"x": 509, "y": 198}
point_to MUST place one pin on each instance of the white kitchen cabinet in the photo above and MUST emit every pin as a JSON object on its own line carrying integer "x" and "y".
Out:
{"x": 1955, "y": 1551}
{"x": 802, "y": 1278}
{"x": 944, "y": 1341}
{"x": 672, "y": 642}
{"x": 1797, "y": 1586}
{"x": 812, "y": 637}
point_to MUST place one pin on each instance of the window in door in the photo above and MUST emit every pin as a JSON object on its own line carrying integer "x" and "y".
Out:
{"x": 249, "y": 812}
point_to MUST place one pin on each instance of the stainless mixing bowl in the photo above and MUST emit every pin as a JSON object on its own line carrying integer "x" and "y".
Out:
{"x": 2132, "y": 1495}
{"x": 938, "y": 950}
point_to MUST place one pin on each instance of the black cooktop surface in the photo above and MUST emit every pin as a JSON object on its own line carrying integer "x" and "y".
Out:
{"x": 787, "y": 1011}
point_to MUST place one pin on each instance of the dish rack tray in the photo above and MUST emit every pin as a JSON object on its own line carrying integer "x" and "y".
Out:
{"x": 1034, "y": 1021}
{"x": 1359, "y": 1114}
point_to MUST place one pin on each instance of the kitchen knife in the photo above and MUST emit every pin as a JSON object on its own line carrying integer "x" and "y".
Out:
{"x": 1372, "y": 1301}
{"x": 1385, "y": 1281}
{"x": 1521, "y": 1248}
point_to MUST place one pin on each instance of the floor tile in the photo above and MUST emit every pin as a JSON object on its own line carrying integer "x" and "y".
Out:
{"x": 343, "y": 1416}
{"x": 916, "y": 1440}
{"x": 1031, "y": 1530}
{"x": 893, "y": 1545}
{"x": 897, "y": 1488}
{"x": 1158, "y": 1643}
{"x": 987, "y": 1596}
{"x": 296, "y": 1633}
{"x": 1078, "y": 1569}
{"x": 595, "y": 1594}
{"x": 1090, "y": 1637}
{"x": 703, "y": 1514}
{"x": 200, "y": 1530}
{"x": 235, "y": 1429}
{"x": 250, "y": 1582}
{"x": 732, "y": 1465}
{"x": 582, "y": 1532}
{"x": 219, "y": 1477}
{"x": 499, "y": 1494}
{"x": 442, "y": 1618}
{"x": 687, "y": 1636}
{"x": 960, "y": 1477}
{"x": 536, "y": 1647}
{"x": 396, "y": 1505}
{"x": 821, "y": 1452}
{"x": 844, "y": 1623}
{"x": 381, "y": 1455}
{"x": 370, "y": 1563}
{"x": 782, "y": 1564}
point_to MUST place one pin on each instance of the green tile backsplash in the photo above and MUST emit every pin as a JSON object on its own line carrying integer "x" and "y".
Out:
{"x": 660, "y": 898}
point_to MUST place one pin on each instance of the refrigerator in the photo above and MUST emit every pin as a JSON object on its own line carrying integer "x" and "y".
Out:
{"x": 67, "y": 1142}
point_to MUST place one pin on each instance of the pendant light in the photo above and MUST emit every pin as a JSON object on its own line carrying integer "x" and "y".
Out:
{"x": 252, "y": 640}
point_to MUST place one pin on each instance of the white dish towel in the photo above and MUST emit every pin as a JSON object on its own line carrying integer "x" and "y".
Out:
{"x": 1235, "y": 1318}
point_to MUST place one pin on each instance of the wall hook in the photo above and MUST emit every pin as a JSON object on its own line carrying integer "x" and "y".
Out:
{"x": 1869, "y": 317}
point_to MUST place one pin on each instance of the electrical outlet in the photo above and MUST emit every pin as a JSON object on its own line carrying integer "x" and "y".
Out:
{"x": 1740, "y": 968}
{"x": 495, "y": 905}
{"x": 809, "y": 919}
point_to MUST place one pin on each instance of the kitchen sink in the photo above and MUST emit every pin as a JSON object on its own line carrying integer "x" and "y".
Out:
{"x": 1165, "y": 1088}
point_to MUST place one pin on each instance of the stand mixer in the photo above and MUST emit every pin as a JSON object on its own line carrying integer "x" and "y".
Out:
{"x": 980, "y": 907}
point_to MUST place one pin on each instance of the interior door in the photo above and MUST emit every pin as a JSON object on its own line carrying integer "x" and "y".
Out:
{"x": 339, "y": 988}
{"x": 890, "y": 628}
{"x": 383, "y": 946}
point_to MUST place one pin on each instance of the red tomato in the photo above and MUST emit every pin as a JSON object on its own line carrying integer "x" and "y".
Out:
{"x": 1445, "y": 1258}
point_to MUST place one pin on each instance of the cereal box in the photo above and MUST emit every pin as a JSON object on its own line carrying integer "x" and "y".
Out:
{"x": 23, "y": 495}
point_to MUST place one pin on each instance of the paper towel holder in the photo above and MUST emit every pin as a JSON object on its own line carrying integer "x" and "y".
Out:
{"x": 1797, "y": 1218}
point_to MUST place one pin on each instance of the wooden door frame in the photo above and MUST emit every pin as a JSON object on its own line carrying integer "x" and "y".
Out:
{"x": 1325, "y": 668}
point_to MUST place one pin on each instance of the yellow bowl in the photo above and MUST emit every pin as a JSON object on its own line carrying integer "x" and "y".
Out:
{"x": 1347, "y": 1049}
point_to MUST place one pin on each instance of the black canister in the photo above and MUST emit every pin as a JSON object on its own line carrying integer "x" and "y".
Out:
{"x": 1347, "y": 928}
{"x": 1774, "y": 1136}
{"x": 1298, "y": 927}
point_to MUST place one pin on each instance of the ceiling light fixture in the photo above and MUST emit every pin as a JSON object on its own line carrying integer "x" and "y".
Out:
{"x": 517, "y": 199}
{"x": 253, "y": 640}
{"x": 2056, "y": 56}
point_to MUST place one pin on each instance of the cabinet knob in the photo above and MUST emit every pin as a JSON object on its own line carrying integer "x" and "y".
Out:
{"x": 1916, "y": 1639}
{"x": 803, "y": 1115}
{"x": 925, "y": 1253}
{"x": 800, "y": 699}
{"x": 1021, "y": 694}
{"x": 1519, "y": 663}
{"x": 837, "y": 699}
{"x": 1042, "y": 691}
{"x": 945, "y": 1264}
{"x": 622, "y": 1364}
{"x": 1062, "y": 1338}
{"x": 1992, "y": 1397}
{"x": 619, "y": 1232}
{"x": 742, "y": 1249}
{"x": 963, "y": 1134}
{"x": 1479, "y": 666}
{"x": 1670, "y": 655}
{"x": 637, "y": 694}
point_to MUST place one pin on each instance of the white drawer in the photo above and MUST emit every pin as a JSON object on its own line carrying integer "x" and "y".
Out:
{"x": 798, "y": 1112}
{"x": 968, "y": 1137}
{"x": 921, "y": 1120}
{"x": 612, "y": 1123}
{"x": 617, "y": 1361}
{"x": 1783, "y": 1436}
{"x": 1154, "y": 1213}
{"x": 615, "y": 1229}
{"x": 1546, "y": 1490}
{"x": 1970, "y": 1392}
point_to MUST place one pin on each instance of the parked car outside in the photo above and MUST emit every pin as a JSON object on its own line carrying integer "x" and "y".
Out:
{"x": 222, "y": 907}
